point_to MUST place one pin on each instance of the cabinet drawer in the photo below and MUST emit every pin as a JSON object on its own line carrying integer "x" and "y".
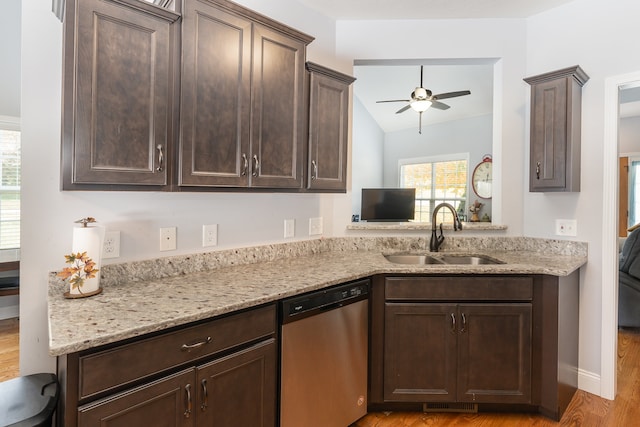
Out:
{"x": 465, "y": 288}
{"x": 125, "y": 364}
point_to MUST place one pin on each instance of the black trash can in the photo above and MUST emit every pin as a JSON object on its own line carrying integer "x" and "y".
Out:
{"x": 28, "y": 401}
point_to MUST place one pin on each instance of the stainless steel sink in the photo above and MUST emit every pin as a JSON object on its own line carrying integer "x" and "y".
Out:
{"x": 422, "y": 259}
{"x": 412, "y": 259}
{"x": 469, "y": 260}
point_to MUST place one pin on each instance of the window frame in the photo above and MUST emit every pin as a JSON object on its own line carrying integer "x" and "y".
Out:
{"x": 10, "y": 123}
{"x": 436, "y": 159}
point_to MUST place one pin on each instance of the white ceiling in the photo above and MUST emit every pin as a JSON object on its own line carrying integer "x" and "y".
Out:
{"x": 431, "y": 9}
{"x": 397, "y": 79}
{"x": 382, "y": 80}
{"x": 392, "y": 80}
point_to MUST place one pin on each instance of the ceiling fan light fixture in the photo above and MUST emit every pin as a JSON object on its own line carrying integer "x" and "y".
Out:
{"x": 420, "y": 105}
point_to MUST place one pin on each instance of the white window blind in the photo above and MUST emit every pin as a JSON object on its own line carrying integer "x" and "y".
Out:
{"x": 9, "y": 186}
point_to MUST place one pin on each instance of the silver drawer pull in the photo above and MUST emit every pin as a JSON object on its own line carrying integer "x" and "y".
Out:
{"x": 205, "y": 396}
{"x": 189, "y": 347}
{"x": 187, "y": 411}
{"x": 160, "y": 157}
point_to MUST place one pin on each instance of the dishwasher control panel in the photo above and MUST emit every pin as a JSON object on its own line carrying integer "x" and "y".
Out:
{"x": 323, "y": 300}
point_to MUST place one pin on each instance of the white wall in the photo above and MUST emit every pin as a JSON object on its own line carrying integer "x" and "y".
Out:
{"x": 10, "y": 54}
{"x": 600, "y": 37}
{"x": 629, "y": 135}
{"x": 464, "y": 39}
{"x": 472, "y": 136}
{"x": 368, "y": 150}
{"x": 48, "y": 214}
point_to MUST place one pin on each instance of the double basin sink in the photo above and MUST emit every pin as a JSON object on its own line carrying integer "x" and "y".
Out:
{"x": 450, "y": 259}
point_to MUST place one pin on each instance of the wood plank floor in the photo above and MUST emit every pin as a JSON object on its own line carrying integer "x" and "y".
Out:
{"x": 9, "y": 348}
{"x": 585, "y": 410}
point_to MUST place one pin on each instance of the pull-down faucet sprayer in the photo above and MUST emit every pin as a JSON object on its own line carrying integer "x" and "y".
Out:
{"x": 436, "y": 240}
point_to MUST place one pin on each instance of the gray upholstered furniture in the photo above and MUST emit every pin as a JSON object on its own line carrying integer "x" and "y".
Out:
{"x": 629, "y": 282}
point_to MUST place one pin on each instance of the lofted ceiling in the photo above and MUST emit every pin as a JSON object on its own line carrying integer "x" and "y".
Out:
{"x": 382, "y": 80}
{"x": 393, "y": 80}
{"x": 430, "y": 9}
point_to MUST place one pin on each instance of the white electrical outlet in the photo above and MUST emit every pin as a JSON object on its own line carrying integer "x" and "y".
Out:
{"x": 566, "y": 227}
{"x": 315, "y": 226}
{"x": 289, "y": 228}
{"x": 209, "y": 235}
{"x": 111, "y": 245}
{"x": 168, "y": 239}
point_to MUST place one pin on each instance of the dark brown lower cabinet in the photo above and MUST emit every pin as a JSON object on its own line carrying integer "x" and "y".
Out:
{"x": 457, "y": 353}
{"x": 220, "y": 372}
{"x": 237, "y": 390}
{"x": 474, "y": 342}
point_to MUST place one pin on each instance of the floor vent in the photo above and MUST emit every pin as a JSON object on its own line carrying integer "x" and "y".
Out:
{"x": 469, "y": 408}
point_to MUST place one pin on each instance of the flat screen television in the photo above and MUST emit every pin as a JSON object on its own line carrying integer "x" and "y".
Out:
{"x": 388, "y": 204}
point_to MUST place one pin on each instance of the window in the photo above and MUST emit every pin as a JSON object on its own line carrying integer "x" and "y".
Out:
{"x": 436, "y": 180}
{"x": 9, "y": 184}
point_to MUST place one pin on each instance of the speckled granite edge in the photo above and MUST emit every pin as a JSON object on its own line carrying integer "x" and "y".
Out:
{"x": 149, "y": 296}
{"x": 180, "y": 265}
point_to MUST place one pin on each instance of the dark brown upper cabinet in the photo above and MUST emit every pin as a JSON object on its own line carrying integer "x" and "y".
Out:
{"x": 243, "y": 115}
{"x": 117, "y": 94}
{"x": 328, "y": 129}
{"x": 556, "y": 102}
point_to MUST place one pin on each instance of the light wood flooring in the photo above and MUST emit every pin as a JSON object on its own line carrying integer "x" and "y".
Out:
{"x": 585, "y": 410}
{"x": 9, "y": 348}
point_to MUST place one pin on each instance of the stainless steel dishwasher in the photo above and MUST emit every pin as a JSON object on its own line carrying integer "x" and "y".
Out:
{"x": 324, "y": 357}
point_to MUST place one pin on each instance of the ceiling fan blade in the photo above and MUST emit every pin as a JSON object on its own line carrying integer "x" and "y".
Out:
{"x": 394, "y": 100}
{"x": 403, "y": 109}
{"x": 451, "y": 94}
{"x": 439, "y": 105}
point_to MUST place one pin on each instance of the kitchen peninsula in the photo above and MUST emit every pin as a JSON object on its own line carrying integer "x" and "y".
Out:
{"x": 150, "y": 300}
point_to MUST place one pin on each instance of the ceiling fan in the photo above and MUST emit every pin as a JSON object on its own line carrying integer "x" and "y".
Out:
{"x": 422, "y": 99}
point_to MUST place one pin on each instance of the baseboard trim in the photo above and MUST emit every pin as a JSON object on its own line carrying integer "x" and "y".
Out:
{"x": 9, "y": 312}
{"x": 589, "y": 382}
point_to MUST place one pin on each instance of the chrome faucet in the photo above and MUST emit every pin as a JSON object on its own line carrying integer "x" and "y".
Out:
{"x": 436, "y": 240}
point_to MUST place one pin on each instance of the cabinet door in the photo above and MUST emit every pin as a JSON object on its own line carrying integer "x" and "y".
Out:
{"x": 215, "y": 97}
{"x": 494, "y": 353}
{"x": 549, "y": 135}
{"x": 117, "y": 90}
{"x": 278, "y": 109}
{"x": 240, "y": 389}
{"x": 420, "y": 352}
{"x": 328, "y": 133}
{"x": 167, "y": 402}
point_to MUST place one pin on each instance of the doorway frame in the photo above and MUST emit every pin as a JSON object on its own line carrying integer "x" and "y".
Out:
{"x": 609, "y": 337}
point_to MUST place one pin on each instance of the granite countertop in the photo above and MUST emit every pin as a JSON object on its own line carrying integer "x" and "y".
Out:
{"x": 197, "y": 287}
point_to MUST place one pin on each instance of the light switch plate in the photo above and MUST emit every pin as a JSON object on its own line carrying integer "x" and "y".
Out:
{"x": 315, "y": 226}
{"x": 289, "y": 228}
{"x": 168, "y": 239}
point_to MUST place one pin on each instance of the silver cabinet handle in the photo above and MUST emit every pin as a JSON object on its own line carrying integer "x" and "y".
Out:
{"x": 187, "y": 389}
{"x": 538, "y": 170}
{"x": 314, "y": 165}
{"x": 189, "y": 347}
{"x": 464, "y": 324}
{"x": 256, "y": 165}
{"x": 160, "y": 157}
{"x": 245, "y": 165}
{"x": 205, "y": 395}
{"x": 453, "y": 323}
